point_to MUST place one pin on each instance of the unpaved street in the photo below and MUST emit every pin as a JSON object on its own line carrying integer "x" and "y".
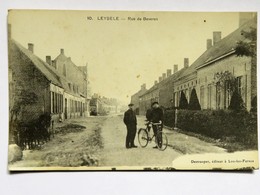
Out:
{"x": 100, "y": 142}
{"x": 115, "y": 154}
{"x": 77, "y": 142}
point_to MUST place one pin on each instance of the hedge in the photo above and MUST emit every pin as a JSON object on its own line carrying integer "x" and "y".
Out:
{"x": 217, "y": 124}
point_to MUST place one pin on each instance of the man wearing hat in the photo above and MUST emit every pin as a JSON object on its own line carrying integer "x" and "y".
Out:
{"x": 156, "y": 116}
{"x": 130, "y": 122}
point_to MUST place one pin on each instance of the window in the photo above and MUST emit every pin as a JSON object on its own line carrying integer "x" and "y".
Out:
{"x": 61, "y": 103}
{"x": 239, "y": 84}
{"x": 202, "y": 97}
{"x": 209, "y": 96}
{"x": 53, "y": 102}
{"x": 227, "y": 94}
{"x": 56, "y": 103}
{"x": 218, "y": 96}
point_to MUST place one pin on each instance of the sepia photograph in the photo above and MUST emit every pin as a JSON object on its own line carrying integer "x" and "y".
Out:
{"x": 132, "y": 90}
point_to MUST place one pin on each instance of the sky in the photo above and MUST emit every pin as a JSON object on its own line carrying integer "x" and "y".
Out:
{"x": 125, "y": 53}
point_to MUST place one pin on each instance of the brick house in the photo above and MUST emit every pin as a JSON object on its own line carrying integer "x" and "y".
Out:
{"x": 200, "y": 75}
{"x": 36, "y": 87}
{"x": 75, "y": 83}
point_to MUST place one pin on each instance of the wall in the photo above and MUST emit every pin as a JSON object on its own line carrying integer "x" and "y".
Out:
{"x": 238, "y": 66}
{"x": 136, "y": 98}
{"x": 186, "y": 84}
{"x": 73, "y": 73}
{"x": 72, "y": 111}
{"x": 26, "y": 83}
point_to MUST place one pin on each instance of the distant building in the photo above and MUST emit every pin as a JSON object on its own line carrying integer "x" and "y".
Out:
{"x": 102, "y": 105}
{"x": 136, "y": 98}
{"x": 201, "y": 75}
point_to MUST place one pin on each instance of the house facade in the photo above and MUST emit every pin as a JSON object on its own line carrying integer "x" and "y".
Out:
{"x": 103, "y": 105}
{"x": 219, "y": 58}
{"x": 37, "y": 87}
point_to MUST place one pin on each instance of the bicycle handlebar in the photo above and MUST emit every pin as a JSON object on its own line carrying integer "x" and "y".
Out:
{"x": 154, "y": 123}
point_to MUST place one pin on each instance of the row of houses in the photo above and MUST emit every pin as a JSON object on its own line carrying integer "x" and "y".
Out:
{"x": 56, "y": 87}
{"x": 103, "y": 105}
{"x": 219, "y": 58}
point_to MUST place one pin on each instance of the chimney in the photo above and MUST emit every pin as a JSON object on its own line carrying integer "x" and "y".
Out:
{"x": 30, "y": 47}
{"x": 209, "y": 43}
{"x": 164, "y": 76}
{"x": 216, "y": 37}
{"x": 62, "y": 51}
{"x": 186, "y": 62}
{"x": 143, "y": 86}
{"x": 169, "y": 72}
{"x": 48, "y": 60}
{"x": 175, "y": 68}
{"x": 155, "y": 82}
{"x": 160, "y": 79}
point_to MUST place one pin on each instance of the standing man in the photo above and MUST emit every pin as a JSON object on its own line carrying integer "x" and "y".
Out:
{"x": 130, "y": 122}
{"x": 156, "y": 117}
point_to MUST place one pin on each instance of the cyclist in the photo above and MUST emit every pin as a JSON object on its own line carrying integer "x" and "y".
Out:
{"x": 156, "y": 117}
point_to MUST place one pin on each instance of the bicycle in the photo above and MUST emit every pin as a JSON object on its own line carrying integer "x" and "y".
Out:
{"x": 160, "y": 139}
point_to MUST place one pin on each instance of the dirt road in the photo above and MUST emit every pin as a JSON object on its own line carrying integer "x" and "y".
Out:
{"x": 115, "y": 154}
{"x": 76, "y": 143}
{"x": 100, "y": 142}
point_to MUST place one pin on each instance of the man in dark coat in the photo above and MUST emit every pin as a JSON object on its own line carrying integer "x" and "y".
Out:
{"x": 130, "y": 122}
{"x": 156, "y": 117}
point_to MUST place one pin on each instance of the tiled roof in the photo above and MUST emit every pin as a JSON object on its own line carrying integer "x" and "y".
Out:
{"x": 47, "y": 70}
{"x": 168, "y": 79}
{"x": 39, "y": 64}
{"x": 224, "y": 46}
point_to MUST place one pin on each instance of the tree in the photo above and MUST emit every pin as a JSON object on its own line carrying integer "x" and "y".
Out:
{"x": 194, "y": 102}
{"x": 236, "y": 102}
{"x": 183, "y": 101}
{"x": 225, "y": 80}
{"x": 248, "y": 46}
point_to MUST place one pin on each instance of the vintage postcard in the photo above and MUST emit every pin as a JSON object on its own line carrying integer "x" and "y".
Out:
{"x": 132, "y": 90}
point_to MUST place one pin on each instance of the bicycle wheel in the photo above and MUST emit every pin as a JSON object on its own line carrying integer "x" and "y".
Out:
{"x": 143, "y": 137}
{"x": 161, "y": 141}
